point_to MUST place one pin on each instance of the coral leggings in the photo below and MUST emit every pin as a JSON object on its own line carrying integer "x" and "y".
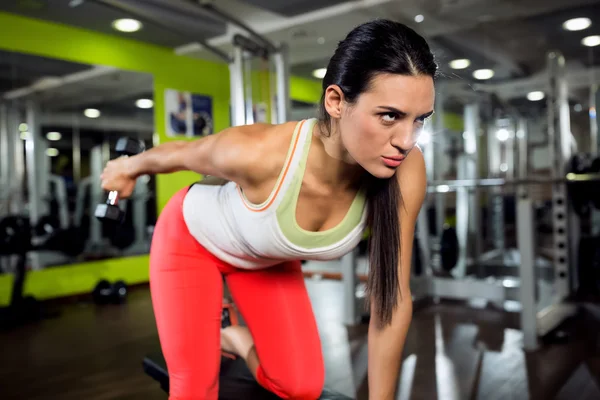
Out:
{"x": 186, "y": 283}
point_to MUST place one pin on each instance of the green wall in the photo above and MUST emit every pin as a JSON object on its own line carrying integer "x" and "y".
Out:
{"x": 26, "y": 35}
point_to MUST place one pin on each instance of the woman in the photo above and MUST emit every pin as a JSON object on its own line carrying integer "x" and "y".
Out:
{"x": 294, "y": 191}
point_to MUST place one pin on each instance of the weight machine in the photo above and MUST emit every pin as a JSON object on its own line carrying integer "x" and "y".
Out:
{"x": 542, "y": 300}
{"x": 243, "y": 110}
{"x": 26, "y": 169}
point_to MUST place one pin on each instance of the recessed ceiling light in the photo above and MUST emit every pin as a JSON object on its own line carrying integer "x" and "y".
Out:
{"x": 53, "y": 136}
{"x": 321, "y": 40}
{"x": 23, "y": 127}
{"x": 320, "y": 73}
{"x": 91, "y": 113}
{"x": 419, "y": 18}
{"x": 51, "y": 152}
{"x": 461, "y": 63}
{"x": 535, "y": 96}
{"x": 144, "y": 103}
{"x": 127, "y": 25}
{"x": 502, "y": 134}
{"x": 578, "y": 108}
{"x": 483, "y": 74}
{"x": 577, "y": 24}
{"x": 591, "y": 41}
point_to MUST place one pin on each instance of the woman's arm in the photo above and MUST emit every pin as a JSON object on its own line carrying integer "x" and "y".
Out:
{"x": 386, "y": 344}
{"x": 228, "y": 155}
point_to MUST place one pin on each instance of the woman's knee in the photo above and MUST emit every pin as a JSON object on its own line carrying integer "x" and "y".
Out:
{"x": 306, "y": 389}
{"x": 305, "y": 384}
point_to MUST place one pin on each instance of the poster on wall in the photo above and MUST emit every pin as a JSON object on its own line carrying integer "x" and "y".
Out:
{"x": 188, "y": 114}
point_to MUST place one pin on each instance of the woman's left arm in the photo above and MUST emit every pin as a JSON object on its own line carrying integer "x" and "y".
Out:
{"x": 386, "y": 344}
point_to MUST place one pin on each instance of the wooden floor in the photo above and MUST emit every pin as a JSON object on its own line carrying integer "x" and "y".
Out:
{"x": 452, "y": 352}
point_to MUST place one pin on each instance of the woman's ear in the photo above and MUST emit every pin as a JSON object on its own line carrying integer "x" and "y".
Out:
{"x": 334, "y": 99}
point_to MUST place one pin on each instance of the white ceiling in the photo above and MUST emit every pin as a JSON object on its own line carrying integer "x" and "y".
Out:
{"x": 510, "y": 36}
{"x": 450, "y": 20}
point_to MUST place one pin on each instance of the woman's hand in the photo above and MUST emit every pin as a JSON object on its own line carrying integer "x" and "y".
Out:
{"x": 116, "y": 177}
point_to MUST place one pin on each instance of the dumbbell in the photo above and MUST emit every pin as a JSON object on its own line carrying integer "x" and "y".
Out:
{"x": 107, "y": 293}
{"x": 110, "y": 210}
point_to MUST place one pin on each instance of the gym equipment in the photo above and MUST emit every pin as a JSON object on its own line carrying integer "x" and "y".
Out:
{"x": 579, "y": 196}
{"x": 235, "y": 380}
{"x": 594, "y": 190}
{"x": 68, "y": 241}
{"x": 110, "y": 211}
{"x": 589, "y": 266}
{"x": 123, "y": 235}
{"x": 102, "y": 292}
{"x": 543, "y": 284}
{"x": 119, "y": 292}
{"x": 107, "y": 293}
{"x": 15, "y": 235}
{"x": 417, "y": 257}
{"x": 15, "y": 240}
{"x": 21, "y": 309}
{"x": 46, "y": 225}
{"x": 449, "y": 248}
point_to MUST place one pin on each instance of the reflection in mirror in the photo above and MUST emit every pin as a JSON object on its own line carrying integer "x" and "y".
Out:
{"x": 60, "y": 122}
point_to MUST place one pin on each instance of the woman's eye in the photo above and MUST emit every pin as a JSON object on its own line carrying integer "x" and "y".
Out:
{"x": 389, "y": 117}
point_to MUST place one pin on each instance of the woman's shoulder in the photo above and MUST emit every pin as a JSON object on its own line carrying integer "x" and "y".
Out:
{"x": 268, "y": 146}
{"x": 266, "y": 135}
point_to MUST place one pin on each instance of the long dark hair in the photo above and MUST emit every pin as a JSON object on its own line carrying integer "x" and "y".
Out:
{"x": 379, "y": 46}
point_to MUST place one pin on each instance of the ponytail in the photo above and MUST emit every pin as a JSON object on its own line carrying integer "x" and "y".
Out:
{"x": 384, "y": 247}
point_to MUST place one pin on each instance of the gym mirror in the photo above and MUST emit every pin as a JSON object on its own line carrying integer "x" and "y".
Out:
{"x": 60, "y": 124}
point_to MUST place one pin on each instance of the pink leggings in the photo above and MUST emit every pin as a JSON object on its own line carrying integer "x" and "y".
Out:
{"x": 187, "y": 295}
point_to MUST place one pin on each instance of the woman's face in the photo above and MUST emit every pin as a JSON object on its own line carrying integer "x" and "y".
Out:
{"x": 379, "y": 130}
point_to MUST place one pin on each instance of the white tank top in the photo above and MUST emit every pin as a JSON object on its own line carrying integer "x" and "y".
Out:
{"x": 253, "y": 236}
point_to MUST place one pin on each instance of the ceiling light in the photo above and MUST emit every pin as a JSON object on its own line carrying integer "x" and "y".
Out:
{"x": 127, "y": 25}
{"x": 91, "y": 113}
{"x": 23, "y": 127}
{"x": 502, "y": 134}
{"x": 319, "y": 73}
{"x": 461, "y": 63}
{"x": 419, "y": 18}
{"x": 483, "y": 74}
{"x": 24, "y": 135}
{"x": 577, "y": 24}
{"x": 578, "y": 108}
{"x": 535, "y": 96}
{"x": 144, "y": 103}
{"x": 53, "y": 136}
{"x": 321, "y": 40}
{"x": 591, "y": 41}
{"x": 51, "y": 152}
